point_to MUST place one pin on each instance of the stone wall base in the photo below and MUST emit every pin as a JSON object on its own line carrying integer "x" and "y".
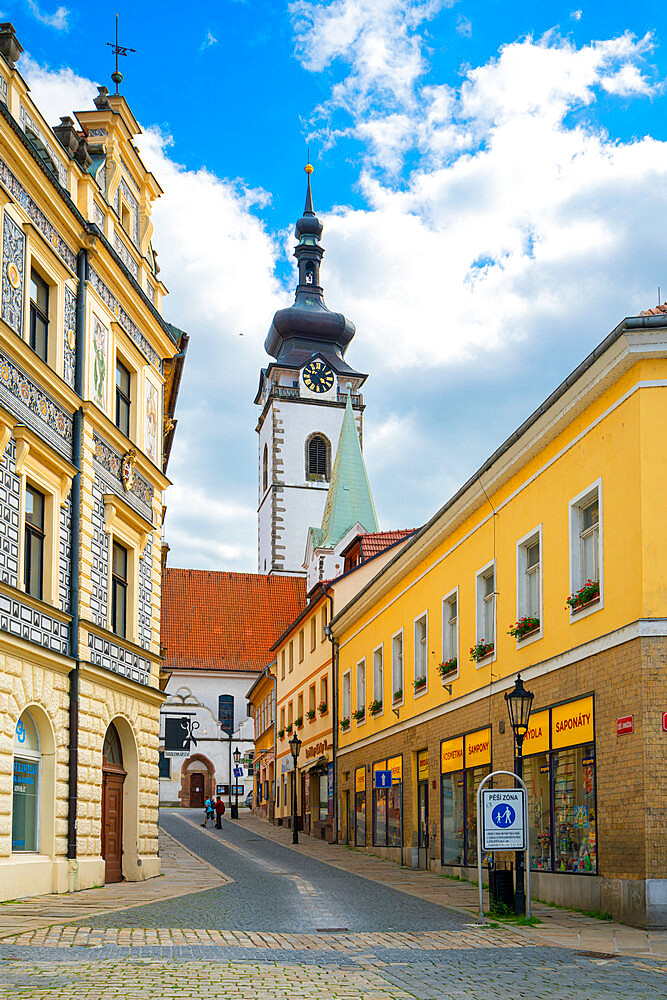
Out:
{"x": 23, "y": 875}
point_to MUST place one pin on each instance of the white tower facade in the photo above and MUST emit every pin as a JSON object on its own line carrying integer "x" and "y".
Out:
{"x": 302, "y": 394}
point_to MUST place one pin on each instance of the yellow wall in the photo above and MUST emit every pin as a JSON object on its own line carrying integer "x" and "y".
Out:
{"x": 615, "y": 439}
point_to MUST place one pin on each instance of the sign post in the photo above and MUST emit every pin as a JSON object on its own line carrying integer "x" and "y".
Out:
{"x": 502, "y": 825}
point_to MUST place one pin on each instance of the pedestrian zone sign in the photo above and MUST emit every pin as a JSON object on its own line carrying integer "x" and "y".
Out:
{"x": 503, "y": 813}
{"x": 382, "y": 779}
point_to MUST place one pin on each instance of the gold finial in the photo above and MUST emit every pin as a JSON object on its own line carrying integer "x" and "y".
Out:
{"x": 309, "y": 168}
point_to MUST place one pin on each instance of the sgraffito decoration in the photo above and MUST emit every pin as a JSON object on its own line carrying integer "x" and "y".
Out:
{"x": 151, "y": 429}
{"x": 46, "y": 228}
{"x": 13, "y": 261}
{"x": 17, "y": 388}
{"x": 110, "y": 460}
{"x": 69, "y": 339}
{"x": 98, "y": 358}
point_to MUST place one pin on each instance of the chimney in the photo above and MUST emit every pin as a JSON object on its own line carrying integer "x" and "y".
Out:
{"x": 67, "y": 136}
{"x": 102, "y": 99}
{"x": 10, "y": 47}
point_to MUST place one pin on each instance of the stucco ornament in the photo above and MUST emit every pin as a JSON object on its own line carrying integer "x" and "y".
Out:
{"x": 127, "y": 469}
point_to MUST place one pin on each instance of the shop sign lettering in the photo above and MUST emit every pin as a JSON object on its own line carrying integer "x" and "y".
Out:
{"x": 572, "y": 723}
{"x": 625, "y": 725}
{"x": 451, "y": 755}
{"x": 478, "y": 748}
{"x": 536, "y": 739}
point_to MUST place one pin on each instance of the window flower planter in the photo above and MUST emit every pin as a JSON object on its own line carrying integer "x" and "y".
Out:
{"x": 359, "y": 715}
{"x": 448, "y": 667}
{"x": 288, "y": 727}
{"x": 281, "y": 733}
{"x": 524, "y": 627}
{"x": 419, "y": 684}
{"x": 588, "y": 594}
{"x": 481, "y": 650}
{"x": 398, "y": 695}
{"x": 310, "y": 714}
{"x": 322, "y": 707}
{"x": 375, "y": 707}
{"x": 299, "y": 722}
{"x": 345, "y": 724}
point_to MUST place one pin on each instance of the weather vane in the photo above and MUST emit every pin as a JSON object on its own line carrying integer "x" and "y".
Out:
{"x": 120, "y": 50}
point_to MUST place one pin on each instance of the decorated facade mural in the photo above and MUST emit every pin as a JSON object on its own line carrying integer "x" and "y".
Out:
{"x": 151, "y": 429}
{"x": 98, "y": 357}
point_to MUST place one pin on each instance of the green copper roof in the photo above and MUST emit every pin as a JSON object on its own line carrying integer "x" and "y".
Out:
{"x": 349, "y": 498}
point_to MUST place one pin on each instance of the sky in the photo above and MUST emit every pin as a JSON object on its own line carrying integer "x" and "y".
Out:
{"x": 492, "y": 178}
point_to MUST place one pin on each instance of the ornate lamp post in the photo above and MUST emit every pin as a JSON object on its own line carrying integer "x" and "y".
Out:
{"x": 237, "y": 758}
{"x": 519, "y": 703}
{"x": 295, "y": 746}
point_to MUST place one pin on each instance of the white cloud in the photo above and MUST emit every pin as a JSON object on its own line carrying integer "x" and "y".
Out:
{"x": 57, "y": 20}
{"x": 576, "y": 15}
{"x": 464, "y": 26}
{"x": 209, "y": 40}
{"x": 57, "y": 92}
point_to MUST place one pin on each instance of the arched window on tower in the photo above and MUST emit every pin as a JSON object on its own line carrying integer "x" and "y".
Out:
{"x": 317, "y": 458}
{"x": 265, "y": 469}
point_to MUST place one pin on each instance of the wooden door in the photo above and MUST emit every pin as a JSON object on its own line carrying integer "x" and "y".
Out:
{"x": 197, "y": 790}
{"x": 112, "y": 825}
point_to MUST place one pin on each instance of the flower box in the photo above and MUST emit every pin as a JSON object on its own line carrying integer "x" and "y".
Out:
{"x": 524, "y": 627}
{"x": 344, "y": 724}
{"x": 359, "y": 715}
{"x": 419, "y": 684}
{"x": 448, "y": 667}
{"x": 288, "y": 727}
{"x": 582, "y": 598}
{"x": 310, "y": 714}
{"x": 322, "y": 707}
{"x": 398, "y": 695}
{"x": 281, "y": 733}
{"x": 299, "y": 722}
{"x": 481, "y": 650}
{"x": 375, "y": 707}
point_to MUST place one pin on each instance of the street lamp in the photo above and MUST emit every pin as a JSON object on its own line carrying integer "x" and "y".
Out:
{"x": 519, "y": 703}
{"x": 295, "y": 746}
{"x": 237, "y": 758}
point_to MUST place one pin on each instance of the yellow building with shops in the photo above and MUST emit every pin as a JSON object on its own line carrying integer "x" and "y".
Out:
{"x": 89, "y": 372}
{"x": 550, "y": 562}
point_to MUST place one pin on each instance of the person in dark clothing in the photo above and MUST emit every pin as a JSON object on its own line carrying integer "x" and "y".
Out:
{"x": 219, "y": 812}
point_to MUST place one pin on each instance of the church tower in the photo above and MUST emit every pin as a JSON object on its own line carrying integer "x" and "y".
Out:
{"x": 302, "y": 394}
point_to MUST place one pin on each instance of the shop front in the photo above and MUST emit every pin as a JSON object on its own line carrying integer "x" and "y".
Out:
{"x": 464, "y": 761}
{"x": 559, "y": 772}
{"x": 388, "y": 805}
{"x": 359, "y": 822}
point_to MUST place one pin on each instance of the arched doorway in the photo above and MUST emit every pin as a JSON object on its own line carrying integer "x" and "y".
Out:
{"x": 197, "y": 781}
{"x": 113, "y": 778}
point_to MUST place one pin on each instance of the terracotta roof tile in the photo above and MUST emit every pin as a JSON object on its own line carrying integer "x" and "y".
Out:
{"x": 375, "y": 542}
{"x": 656, "y": 311}
{"x": 225, "y": 621}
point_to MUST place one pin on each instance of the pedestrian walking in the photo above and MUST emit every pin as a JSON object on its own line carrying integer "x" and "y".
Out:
{"x": 209, "y": 810}
{"x": 219, "y": 812}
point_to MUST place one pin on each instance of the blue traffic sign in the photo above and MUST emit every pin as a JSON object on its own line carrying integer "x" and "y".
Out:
{"x": 238, "y": 772}
{"x": 382, "y": 779}
{"x": 503, "y": 815}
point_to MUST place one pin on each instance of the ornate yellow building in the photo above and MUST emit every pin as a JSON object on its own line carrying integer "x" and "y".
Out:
{"x": 89, "y": 372}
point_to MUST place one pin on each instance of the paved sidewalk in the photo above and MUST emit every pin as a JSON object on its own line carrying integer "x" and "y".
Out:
{"x": 559, "y": 927}
{"x": 183, "y": 873}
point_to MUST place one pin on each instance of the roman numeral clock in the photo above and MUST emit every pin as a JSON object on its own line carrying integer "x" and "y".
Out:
{"x": 318, "y": 377}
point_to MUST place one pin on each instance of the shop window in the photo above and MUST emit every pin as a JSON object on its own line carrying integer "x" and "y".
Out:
{"x": 586, "y": 545}
{"x": 123, "y": 400}
{"x": 397, "y": 667}
{"x": 388, "y": 806}
{"x": 39, "y": 315}
{"x": 119, "y": 589}
{"x": 26, "y": 786}
{"x": 465, "y": 761}
{"x": 323, "y": 796}
{"x": 485, "y": 588}
{"x": 421, "y": 651}
{"x": 164, "y": 766}
{"x": 453, "y": 829}
{"x": 33, "y": 557}
{"x": 360, "y": 807}
{"x": 378, "y": 675}
{"x": 450, "y": 627}
{"x": 537, "y": 776}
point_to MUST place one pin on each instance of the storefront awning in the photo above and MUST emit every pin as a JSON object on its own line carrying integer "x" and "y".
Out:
{"x": 321, "y": 765}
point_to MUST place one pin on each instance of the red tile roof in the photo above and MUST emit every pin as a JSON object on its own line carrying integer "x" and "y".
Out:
{"x": 375, "y": 542}
{"x": 225, "y": 621}
{"x": 656, "y": 311}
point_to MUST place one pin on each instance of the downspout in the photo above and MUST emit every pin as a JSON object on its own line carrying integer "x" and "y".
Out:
{"x": 334, "y": 711}
{"x": 75, "y": 553}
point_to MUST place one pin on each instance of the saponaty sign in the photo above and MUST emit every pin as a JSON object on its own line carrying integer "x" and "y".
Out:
{"x": 503, "y": 812}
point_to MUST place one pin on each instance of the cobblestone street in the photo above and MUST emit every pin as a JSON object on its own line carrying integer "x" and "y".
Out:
{"x": 268, "y": 921}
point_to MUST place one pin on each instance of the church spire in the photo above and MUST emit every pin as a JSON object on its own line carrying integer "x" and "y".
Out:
{"x": 308, "y": 251}
{"x": 349, "y": 499}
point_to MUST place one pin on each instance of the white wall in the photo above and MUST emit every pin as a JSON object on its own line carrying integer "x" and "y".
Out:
{"x": 197, "y": 691}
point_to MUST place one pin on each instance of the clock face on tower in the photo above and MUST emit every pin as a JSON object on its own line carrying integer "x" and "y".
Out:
{"x": 318, "y": 377}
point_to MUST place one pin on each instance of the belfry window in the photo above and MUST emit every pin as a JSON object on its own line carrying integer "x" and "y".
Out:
{"x": 265, "y": 469}
{"x": 310, "y": 273}
{"x": 317, "y": 458}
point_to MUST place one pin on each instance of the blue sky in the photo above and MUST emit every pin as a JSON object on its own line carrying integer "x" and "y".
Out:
{"x": 492, "y": 177}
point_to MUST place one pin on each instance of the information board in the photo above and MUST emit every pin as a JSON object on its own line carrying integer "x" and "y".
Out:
{"x": 503, "y": 814}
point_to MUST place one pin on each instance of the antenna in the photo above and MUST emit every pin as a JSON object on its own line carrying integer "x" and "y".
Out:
{"x": 658, "y": 294}
{"x": 119, "y": 50}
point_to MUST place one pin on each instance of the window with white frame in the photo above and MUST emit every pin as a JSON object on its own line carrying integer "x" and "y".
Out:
{"x": 586, "y": 547}
{"x": 529, "y": 580}
{"x": 378, "y": 674}
{"x": 347, "y": 695}
{"x": 397, "y": 666}
{"x": 486, "y": 607}
{"x": 361, "y": 685}
{"x": 450, "y": 627}
{"x": 421, "y": 650}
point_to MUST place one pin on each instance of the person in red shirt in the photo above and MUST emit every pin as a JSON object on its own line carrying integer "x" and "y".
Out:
{"x": 219, "y": 812}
